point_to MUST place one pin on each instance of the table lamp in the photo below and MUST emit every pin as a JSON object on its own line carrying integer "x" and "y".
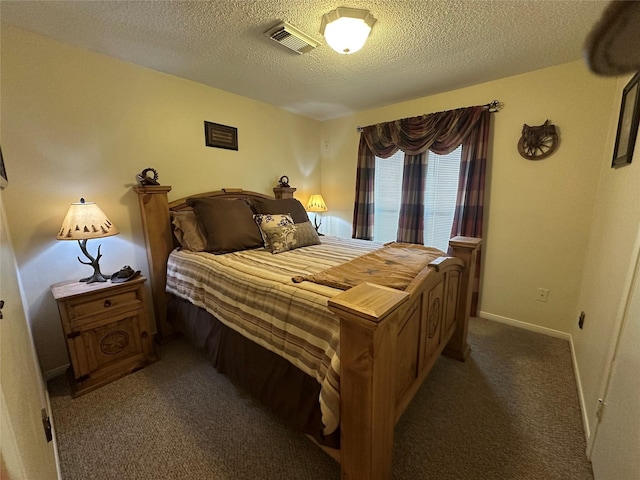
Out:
{"x": 85, "y": 220}
{"x": 316, "y": 205}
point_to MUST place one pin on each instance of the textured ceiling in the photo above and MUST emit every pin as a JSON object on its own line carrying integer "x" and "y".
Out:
{"x": 416, "y": 48}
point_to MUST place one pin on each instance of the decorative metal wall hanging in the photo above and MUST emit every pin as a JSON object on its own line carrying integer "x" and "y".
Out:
{"x": 220, "y": 136}
{"x": 538, "y": 142}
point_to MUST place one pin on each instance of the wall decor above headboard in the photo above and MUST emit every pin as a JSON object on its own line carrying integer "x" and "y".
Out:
{"x": 220, "y": 136}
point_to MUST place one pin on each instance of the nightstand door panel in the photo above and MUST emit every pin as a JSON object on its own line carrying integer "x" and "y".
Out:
{"x": 79, "y": 361}
{"x": 115, "y": 343}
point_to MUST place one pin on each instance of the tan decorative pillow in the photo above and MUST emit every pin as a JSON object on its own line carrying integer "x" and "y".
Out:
{"x": 291, "y": 236}
{"x": 188, "y": 232}
{"x": 268, "y": 221}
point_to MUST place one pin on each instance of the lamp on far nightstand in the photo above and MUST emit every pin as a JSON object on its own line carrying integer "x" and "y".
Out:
{"x": 85, "y": 220}
{"x": 316, "y": 205}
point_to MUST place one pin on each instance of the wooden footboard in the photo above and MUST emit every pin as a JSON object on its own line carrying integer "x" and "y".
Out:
{"x": 389, "y": 341}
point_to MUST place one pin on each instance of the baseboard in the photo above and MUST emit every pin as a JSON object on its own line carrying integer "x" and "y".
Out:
{"x": 53, "y": 433}
{"x": 56, "y": 372}
{"x": 525, "y": 326}
{"x": 556, "y": 334}
{"x": 583, "y": 403}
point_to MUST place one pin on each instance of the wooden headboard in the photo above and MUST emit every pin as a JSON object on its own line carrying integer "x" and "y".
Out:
{"x": 158, "y": 234}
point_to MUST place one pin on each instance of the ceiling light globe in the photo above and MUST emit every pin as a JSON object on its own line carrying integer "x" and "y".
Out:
{"x": 346, "y": 29}
{"x": 347, "y": 35}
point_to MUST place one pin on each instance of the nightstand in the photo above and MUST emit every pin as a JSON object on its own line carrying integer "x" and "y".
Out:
{"x": 106, "y": 327}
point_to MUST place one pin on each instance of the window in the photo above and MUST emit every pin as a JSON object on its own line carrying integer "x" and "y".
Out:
{"x": 387, "y": 192}
{"x": 439, "y": 199}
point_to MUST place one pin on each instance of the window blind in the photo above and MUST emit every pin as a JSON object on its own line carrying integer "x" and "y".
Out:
{"x": 387, "y": 196}
{"x": 439, "y": 200}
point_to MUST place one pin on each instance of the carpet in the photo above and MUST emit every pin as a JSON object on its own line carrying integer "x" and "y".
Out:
{"x": 510, "y": 412}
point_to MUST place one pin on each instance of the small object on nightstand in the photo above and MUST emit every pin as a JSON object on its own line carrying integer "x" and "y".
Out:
{"x": 107, "y": 330}
{"x": 125, "y": 274}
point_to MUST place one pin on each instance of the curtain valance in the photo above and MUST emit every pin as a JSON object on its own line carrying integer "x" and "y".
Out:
{"x": 440, "y": 132}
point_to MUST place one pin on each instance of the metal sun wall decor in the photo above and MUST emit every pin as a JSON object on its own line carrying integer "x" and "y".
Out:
{"x": 538, "y": 142}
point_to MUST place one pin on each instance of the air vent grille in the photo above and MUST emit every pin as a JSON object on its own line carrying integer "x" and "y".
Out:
{"x": 292, "y": 38}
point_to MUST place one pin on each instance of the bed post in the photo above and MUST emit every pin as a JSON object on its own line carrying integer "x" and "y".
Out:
{"x": 369, "y": 318}
{"x": 283, "y": 192}
{"x": 466, "y": 249}
{"x": 154, "y": 210}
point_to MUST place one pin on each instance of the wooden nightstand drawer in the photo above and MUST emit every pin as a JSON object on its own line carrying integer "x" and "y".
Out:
{"x": 102, "y": 303}
{"x": 106, "y": 327}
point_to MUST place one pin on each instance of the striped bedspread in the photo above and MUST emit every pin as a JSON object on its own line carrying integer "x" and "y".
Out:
{"x": 252, "y": 292}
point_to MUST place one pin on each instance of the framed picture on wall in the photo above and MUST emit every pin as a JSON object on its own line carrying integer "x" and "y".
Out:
{"x": 220, "y": 136}
{"x": 627, "y": 123}
{"x": 3, "y": 173}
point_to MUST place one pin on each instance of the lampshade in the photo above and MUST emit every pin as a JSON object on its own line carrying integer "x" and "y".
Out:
{"x": 85, "y": 220}
{"x": 346, "y": 29}
{"x": 316, "y": 204}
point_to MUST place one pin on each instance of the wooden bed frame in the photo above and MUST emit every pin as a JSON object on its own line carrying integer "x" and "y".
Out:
{"x": 389, "y": 339}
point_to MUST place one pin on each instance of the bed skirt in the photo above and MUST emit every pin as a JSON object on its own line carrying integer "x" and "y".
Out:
{"x": 274, "y": 381}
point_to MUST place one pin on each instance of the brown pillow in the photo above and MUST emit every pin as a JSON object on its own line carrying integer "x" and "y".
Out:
{"x": 227, "y": 224}
{"x": 292, "y": 206}
{"x": 188, "y": 231}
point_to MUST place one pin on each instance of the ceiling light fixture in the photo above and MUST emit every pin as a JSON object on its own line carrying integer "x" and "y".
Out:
{"x": 347, "y": 29}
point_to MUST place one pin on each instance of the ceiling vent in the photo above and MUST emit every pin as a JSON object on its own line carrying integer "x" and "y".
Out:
{"x": 292, "y": 38}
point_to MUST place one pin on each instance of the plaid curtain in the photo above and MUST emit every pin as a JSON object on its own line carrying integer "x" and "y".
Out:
{"x": 469, "y": 211}
{"x": 440, "y": 132}
{"x": 363, "y": 207}
{"x": 411, "y": 219}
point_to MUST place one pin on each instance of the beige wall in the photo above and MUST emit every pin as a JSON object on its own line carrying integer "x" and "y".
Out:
{"x": 75, "y": 123}
{"x": 539, "y": 212}
{"x": 613, "y": 245}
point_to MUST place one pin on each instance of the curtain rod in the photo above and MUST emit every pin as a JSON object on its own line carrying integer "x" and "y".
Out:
{"x": 493, "y": 106}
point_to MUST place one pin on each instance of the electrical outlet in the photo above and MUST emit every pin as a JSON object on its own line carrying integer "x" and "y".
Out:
{"x": 581, "y": 320}
{"x": 542, "y": 294}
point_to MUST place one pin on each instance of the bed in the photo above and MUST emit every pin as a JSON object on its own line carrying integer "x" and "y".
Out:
{"x": 383, "y": 344}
